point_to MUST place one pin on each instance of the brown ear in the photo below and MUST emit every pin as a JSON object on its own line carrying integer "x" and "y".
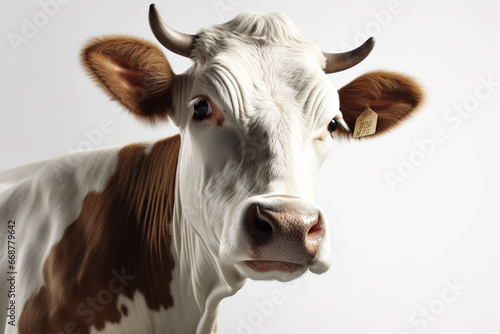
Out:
{"x": 133, "y": 72}
{"x": 392, "y": 96}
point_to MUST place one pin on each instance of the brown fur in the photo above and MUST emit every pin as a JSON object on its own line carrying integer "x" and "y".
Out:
{"x": 133, "y": 72}
{"x": 392, "y": 96}
{"x": 125, "y": 227}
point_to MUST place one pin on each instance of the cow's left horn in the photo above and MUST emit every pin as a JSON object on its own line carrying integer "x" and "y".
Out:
{"x": 336, "y": 62}
{"x": 173, "y": 40}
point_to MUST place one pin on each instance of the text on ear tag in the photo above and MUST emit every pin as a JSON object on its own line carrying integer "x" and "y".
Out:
{"x": 366, "y": 123}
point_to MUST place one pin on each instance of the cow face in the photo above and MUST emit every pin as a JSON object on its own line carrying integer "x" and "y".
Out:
{"x": 257, "y": 120}
{"x": 257, "y": 116}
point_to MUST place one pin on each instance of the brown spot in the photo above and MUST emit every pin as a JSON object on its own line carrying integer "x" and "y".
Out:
{"x": 324, "y": 134}
{"x": 219, "y": 117}
{"x": 123, "y": 230}
{"x": 124, "y": 310}
{"x": 215, "y": 327}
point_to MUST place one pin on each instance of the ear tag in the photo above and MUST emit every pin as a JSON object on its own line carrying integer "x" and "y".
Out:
{"x": 366, "y": 123}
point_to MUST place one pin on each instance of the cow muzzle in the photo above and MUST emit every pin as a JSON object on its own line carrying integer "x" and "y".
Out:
{"x": 285, "y": 238}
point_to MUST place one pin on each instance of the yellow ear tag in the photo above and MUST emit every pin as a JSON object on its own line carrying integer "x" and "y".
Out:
{"x": 366, "y": 123}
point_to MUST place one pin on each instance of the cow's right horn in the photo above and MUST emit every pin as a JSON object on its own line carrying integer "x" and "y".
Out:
{"x": 336, "y": 62}
{"x": 173, "y": 40}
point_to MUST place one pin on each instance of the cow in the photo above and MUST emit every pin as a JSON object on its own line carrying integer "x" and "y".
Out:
{"x": 150, "y": 237}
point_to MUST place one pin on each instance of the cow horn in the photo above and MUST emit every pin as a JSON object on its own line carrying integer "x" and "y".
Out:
{"x": 173, "y": 40}
{"x": 336, "y": 62}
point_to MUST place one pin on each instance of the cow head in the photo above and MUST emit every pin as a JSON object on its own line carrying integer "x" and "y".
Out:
{"x": 257, "y": 116}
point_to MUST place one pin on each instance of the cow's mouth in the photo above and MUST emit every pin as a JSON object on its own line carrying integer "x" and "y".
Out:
{"x": 263, "y": 266}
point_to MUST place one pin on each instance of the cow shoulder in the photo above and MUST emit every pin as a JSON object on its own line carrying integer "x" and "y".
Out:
{"x": 117, "y": 245}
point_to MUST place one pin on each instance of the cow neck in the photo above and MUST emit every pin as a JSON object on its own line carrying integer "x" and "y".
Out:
{"x": 200, "y": 280}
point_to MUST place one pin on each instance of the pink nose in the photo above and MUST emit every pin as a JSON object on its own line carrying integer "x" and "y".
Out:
{"x": 284, "y": 236}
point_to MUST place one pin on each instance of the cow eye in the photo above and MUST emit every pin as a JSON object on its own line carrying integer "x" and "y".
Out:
{"x": 333, "y": 125}
{"x": 202, "y": 109}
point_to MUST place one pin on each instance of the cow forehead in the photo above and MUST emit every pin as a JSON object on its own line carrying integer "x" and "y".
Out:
{"x": 261, "y": 62}
{"x": 253, "y": 29}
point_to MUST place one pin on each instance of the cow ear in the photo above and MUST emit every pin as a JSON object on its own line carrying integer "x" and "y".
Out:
{"x": 133, "y": 72}
{"x": 392, "y": 96}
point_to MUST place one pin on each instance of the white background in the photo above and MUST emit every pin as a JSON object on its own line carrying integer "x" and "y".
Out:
{"x": 394, "y": 248}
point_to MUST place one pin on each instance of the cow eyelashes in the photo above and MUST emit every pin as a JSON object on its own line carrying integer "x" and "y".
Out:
{"x": 202, "y": 109}
{"x": 333, "y": 125}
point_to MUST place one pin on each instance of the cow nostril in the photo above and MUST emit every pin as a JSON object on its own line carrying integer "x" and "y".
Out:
{"x": 263, "y": 226}
{"x": 259, "y": 223}
{"x": 316, "y": 231}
